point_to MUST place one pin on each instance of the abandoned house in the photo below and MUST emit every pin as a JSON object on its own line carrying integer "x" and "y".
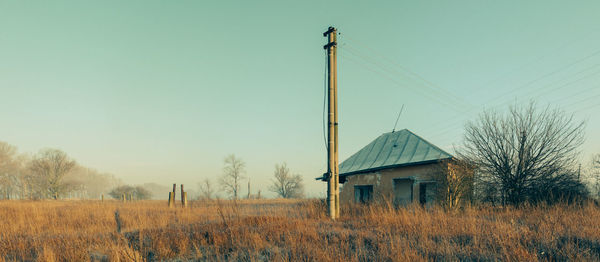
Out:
{"x": 397, "y": 165}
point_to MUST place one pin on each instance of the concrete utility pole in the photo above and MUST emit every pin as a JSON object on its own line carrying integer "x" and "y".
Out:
{"x": 333, "y": 193}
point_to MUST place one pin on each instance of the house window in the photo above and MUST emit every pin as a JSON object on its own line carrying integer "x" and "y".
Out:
{"x": 363, "y": 194}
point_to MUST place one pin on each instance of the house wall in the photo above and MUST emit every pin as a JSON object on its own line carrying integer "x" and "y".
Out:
{"x": 383, "y": 181}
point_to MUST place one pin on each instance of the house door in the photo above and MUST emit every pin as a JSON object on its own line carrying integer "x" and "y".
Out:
{"x": 422, "y": 193}
{"x": 403, "y": 191}
{"x": 426, "y": 193}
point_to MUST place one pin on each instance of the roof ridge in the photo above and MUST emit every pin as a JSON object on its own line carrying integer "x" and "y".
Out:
{"x": 378, "y": 148}
{"x": 429, "y": 143}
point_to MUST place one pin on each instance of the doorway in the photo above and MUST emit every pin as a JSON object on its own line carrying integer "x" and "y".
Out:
{"x": 403, "y": 191}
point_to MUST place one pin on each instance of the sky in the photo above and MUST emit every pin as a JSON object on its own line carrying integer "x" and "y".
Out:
{"x": 162, "y": 91}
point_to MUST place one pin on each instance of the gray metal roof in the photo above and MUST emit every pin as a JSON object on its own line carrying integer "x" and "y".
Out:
{"x": 400, "y": 148}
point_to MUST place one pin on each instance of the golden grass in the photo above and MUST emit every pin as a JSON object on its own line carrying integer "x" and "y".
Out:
{"x": 291, "y": 230}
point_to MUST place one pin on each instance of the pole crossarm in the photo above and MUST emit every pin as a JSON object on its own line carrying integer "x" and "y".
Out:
{"x": 329, "y": 45}
{"x": 329, "y": 31}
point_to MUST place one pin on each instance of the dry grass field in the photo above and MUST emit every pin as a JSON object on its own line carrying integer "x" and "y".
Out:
{"x": 291, "y": 230}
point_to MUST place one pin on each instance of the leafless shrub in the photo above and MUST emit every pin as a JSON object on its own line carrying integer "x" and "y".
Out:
{"x": 454, "y": 183}
{"x": 285, "y": 184}
{"x": 594, "y": 175}
{"x": 527, "y": 153}
{"x": 206, "y": 189}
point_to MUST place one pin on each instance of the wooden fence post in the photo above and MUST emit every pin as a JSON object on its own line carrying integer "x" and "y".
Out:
{"x": 171, "y": 201}
{"x": 183, "y": 197}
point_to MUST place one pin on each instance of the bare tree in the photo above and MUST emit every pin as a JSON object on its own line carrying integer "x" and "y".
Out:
{"x": 206, "y": 189}
{"x": 285, "y": 184}
{"x": 51, "y": 165}
{"x": 454, "y": 183}
{"x": 233, "y": 174}
{"x": 594, "y": 172}
{"x": 530, "y": 154}
{"x": 8, "y": 170}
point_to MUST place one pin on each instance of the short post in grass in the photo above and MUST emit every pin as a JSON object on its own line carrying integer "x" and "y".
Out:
{"x": 183, "y": 197}
{"x": 172, "y": 196}
{"x": 102, "y": 198}
{"x": 123, "y": 198}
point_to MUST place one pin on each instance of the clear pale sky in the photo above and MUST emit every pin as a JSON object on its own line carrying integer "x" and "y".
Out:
{"x": 162, "y": 91}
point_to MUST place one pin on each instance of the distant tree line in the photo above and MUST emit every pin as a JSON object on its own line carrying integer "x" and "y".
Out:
{"x": 49, "y": 174}
{"x": 130, "y": 193}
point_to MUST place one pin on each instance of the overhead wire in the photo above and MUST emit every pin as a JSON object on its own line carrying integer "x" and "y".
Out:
{"x": 457, "y": 125}
{"x": 546, "y": 91}
{"x": 583, "y": 91}
{"x": 584, "y": 100}
{"x": 586, "y": 108}
{"x": 409, "y": 71}
{"x": 374, "y": 61}
{"x": 519, "y": 87}
{"x": 529, "y": 84}
{"x": 525, "y": 85}
{"x": 396, "y": 82}
{"x": 449, "y": 99}
{"x": 535, "y": 60}
{"x": 396, "y": 73}
{"x": 392, "y": 76}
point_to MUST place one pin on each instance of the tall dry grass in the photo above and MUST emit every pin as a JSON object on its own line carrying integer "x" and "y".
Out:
{"x": 291, "y": 230}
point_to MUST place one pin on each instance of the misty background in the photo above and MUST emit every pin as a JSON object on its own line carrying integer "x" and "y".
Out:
{"x": 161, "y": 92}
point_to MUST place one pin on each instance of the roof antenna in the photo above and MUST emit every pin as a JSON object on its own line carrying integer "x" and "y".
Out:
{"x": 401, "y": 109}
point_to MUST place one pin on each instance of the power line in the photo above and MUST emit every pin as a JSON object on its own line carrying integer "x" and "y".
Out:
{"x": 530, "y": 83}
{"x": 587, "y": 108}
{"x": 456, "y": 125}
{"x": 400, "y": 84}
{"x": 574, "y": 94}
{"x": 535, "y": 80}
{"x": 438, "y": 91}
{"x": 537, "y": 59}
{"x": 546, "y": 92}
{"x": 432, "y": 96}
{"x": 397, "y": 73}
{"x": 401, "y": 69}
{"x": 548, "y": 74}
{"x": 584, "y": 100}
